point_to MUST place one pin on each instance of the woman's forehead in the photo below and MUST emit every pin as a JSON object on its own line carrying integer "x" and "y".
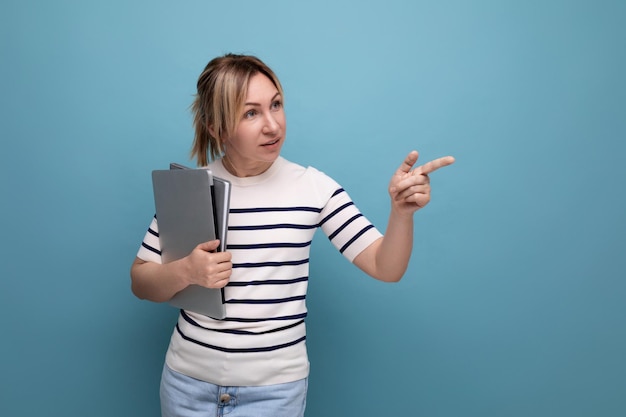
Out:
{"x": 260, "y": 87}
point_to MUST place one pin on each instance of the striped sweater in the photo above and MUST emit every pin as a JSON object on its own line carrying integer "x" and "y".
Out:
{"x": 272, "y": 220}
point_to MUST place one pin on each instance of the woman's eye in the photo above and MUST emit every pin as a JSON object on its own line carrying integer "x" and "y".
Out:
{"x": 277, "y": 105}
{"x": 249, "y": 114}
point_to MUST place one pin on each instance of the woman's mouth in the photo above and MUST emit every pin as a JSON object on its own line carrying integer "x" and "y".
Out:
{"x": 275, "y": 141}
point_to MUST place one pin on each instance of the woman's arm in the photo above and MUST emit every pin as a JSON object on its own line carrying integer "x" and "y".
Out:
{"x": 160, "y": 282}
{"x": 388, "y": 257}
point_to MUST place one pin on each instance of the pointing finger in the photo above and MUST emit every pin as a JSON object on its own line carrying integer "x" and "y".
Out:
{"x": 434, "y": 165}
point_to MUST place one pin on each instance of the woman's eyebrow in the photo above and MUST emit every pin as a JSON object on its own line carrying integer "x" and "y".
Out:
{"x": 249, "y": 103}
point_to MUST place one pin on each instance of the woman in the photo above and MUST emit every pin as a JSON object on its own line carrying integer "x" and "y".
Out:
{"x": 254, "y": 362}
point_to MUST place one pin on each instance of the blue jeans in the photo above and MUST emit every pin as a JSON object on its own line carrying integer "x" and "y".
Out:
{"x": 183, "y": 396}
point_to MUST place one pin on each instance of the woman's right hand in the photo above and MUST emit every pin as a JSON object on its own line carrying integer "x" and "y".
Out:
{"x": 208, "y": 268}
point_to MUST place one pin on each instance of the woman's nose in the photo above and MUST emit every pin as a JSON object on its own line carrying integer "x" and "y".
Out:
{"x": 271, "y": 124}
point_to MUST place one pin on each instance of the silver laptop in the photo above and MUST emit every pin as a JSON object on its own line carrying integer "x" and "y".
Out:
{"x": 186, "y": 201}
{"x": 221, "y": 203}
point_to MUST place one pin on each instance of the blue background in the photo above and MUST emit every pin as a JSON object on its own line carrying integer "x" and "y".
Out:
{"x": 513, "y": 304}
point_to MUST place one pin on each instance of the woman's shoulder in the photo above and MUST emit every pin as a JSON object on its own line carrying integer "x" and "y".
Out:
{"x": 309, "y": 178}
{"x": 306, "y": 172}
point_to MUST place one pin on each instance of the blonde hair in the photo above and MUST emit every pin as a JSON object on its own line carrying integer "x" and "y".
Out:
{"x": 222, "y": 90}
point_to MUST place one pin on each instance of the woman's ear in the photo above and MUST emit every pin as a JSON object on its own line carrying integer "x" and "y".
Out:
{"x": 219, "y": 140}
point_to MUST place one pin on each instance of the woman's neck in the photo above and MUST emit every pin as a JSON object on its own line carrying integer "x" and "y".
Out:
{"x": 238, "y": 171}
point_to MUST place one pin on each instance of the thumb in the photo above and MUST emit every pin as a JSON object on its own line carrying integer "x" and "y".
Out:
{"x": 209, "y": 246}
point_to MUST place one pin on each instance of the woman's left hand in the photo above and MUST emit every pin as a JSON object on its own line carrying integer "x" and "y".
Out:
{"x": 409, "y": 188}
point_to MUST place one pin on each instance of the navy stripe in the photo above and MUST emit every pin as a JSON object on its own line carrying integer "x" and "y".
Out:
{"x": 257, "y": 320}
{"x": 267, "y": 301}
{"x": 262, "y": 264}
{"x": 248, "y": 350}
{"x": 271, "y": 245}
{"x": 365, "y": 229}
{"x": 338, "y": 191}
{"x": 334, "y": 213}
{"x": 271, "y": 209}
{"x": 343, "y": 226}
{"x": 150, "y": 248}
{"x": 152, "y": 232}
{"x": 237, "y": 331}
{"x": 267, "y": 282}
{"x": 273, "y": 226}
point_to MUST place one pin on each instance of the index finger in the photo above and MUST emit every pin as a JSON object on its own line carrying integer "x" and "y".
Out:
{"x": 434, "y": 165}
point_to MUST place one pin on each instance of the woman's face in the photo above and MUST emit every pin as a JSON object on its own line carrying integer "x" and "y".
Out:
{"x": 260, "y": 134}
